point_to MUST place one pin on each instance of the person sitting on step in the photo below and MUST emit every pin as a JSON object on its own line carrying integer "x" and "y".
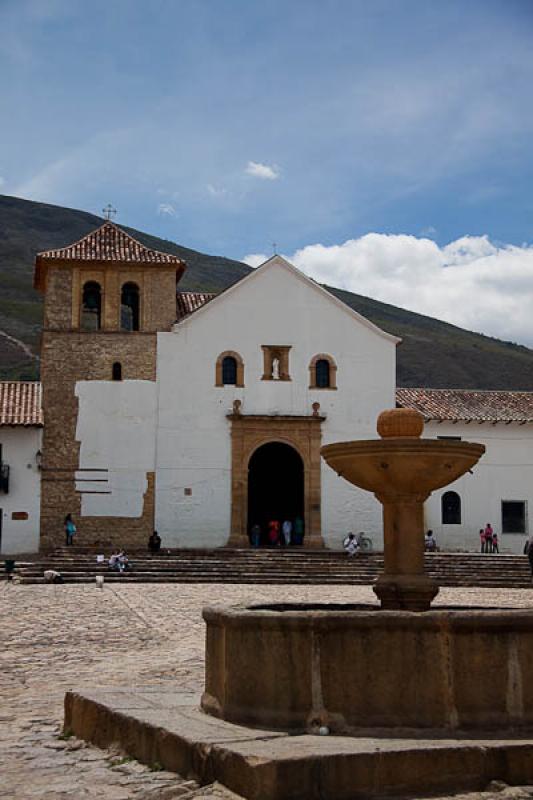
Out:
{"x": 430, "y": 543}
{"x": 351, "y": 545}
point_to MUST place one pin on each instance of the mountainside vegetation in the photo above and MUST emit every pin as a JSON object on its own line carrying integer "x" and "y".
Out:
{"x": 433, "y": 353}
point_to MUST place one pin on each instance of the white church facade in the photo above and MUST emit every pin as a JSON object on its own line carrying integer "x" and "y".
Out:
{"x": 237, "y": 386}
{"x": 211, "y": 424}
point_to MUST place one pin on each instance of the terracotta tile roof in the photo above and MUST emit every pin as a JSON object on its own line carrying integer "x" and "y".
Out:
{"x": 106, "y": 244}
{"x": 109, "y": 243}
{"x": 464, "y": 405}
{"x": 188, "y": 302}
{"x": 20, "y": 403}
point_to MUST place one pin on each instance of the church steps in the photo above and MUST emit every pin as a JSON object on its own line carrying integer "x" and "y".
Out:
{"x": 303, "y": 567}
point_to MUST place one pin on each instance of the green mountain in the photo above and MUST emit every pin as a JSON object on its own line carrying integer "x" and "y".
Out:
{"x": 432, "y": 353}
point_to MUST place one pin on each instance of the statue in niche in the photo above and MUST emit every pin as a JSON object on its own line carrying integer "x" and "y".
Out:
{"x": 275, "y": 369}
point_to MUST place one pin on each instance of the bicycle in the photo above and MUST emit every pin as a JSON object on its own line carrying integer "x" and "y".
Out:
{"x": 365, "y": 543}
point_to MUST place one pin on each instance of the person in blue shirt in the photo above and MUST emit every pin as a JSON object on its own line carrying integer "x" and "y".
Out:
{"x": 70, "y": 529}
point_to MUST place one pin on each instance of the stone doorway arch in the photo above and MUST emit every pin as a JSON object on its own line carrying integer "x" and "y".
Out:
{"x": 276, "y": 478}
{"x": 248, "y": 434}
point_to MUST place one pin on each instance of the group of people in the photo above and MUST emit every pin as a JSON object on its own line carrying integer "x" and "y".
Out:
{"x": 487, "y": 535}
{"x": 489, "y": 539}
{"x": 278, "y": 534}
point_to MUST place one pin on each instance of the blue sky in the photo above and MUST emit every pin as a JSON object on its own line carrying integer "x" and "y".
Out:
{"x": 227, "y": 125}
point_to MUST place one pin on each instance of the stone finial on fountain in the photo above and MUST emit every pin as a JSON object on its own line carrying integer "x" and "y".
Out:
{"x": 400, "y": 423}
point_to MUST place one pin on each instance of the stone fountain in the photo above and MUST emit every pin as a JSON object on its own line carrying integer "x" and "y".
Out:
{"x": 402, "y": 470}
{"x": 346, "y": 668}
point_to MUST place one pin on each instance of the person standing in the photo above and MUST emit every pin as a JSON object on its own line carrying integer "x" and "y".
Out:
{"x": 528, "y": 551}
{"x": 286, "y": 530}
{"x": 273, "y": 533}
{"x": 154, "y": 543}
{"x": 70, "y": 530}
{"x": 488, "y": 538}
{"x": 495, "y": 547}
{"x": 298, "y": 531}
{"x": 255, "y": 535}
{"x": 482, "y": 539}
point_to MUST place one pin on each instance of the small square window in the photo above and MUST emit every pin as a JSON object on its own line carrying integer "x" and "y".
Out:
{"x": 513, "y": 516}
{"x": 187, "y": 492}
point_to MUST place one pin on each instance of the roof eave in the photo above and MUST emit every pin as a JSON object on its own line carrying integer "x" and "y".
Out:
{"x": 21, "y": 424}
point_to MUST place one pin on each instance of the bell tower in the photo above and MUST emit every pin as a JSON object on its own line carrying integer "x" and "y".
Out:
{"x": 105, "y": 298}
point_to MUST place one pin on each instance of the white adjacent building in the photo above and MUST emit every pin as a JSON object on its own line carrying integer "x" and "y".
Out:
{"x": 20, "y": 452}
{"x": 500, "y": 488}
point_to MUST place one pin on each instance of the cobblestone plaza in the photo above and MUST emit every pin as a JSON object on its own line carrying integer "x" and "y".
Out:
{"x": 55, "y": 638}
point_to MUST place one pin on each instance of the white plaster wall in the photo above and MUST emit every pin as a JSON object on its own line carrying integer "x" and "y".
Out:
{"x": 19, "y": 448}
{"x": 116, "y": 429}
{"x": 505, "y": 472}
{"x": 193, "y": 443}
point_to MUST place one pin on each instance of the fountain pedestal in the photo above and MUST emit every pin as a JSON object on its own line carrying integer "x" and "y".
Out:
{"x": 403, "y": 582}
{"x": 402, "y": 470}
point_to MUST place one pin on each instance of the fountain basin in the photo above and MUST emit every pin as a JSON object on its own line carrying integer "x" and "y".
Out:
{"x": 402, "y": 465}
{"x": 349, "y": 668}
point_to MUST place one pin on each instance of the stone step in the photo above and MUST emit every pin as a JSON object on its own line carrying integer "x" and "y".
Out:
{"x": 266, "y": 580}
{"x": 283, "y": 566}
{"x": 167, "y": 727}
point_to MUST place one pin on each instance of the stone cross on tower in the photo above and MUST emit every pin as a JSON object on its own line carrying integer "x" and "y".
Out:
{"x": 109, "y": 211}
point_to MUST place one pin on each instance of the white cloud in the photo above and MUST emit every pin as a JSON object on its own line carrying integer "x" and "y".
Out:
{"x": 216, "y": 191}
{"x": 470, "y": 282}
{"x": 166, "y": 208}
{"x": 255, "y": 259}
{"x": 264, "y": 171}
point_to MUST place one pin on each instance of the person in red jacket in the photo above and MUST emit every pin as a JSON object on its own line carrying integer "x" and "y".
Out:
{"x": 273, "y": 533}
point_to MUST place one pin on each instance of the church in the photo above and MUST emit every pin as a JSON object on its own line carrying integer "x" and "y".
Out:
{"x": 200, "y": 415}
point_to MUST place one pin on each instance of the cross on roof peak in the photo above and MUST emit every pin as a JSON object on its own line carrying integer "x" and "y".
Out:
{"x": 109, "y": 211}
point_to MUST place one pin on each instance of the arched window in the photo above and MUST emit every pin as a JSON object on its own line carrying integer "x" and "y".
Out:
{"x": 229, "y": 369}
{"x": 129, "y": 307}
{"x": 91, "y": 306}
{"x": 322, "y": 372}
{"x": 117, "y": 371}
{"x": 451, "y": 508}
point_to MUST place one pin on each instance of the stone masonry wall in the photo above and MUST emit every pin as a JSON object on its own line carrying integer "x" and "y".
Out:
{"x": 68, "y": 357}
